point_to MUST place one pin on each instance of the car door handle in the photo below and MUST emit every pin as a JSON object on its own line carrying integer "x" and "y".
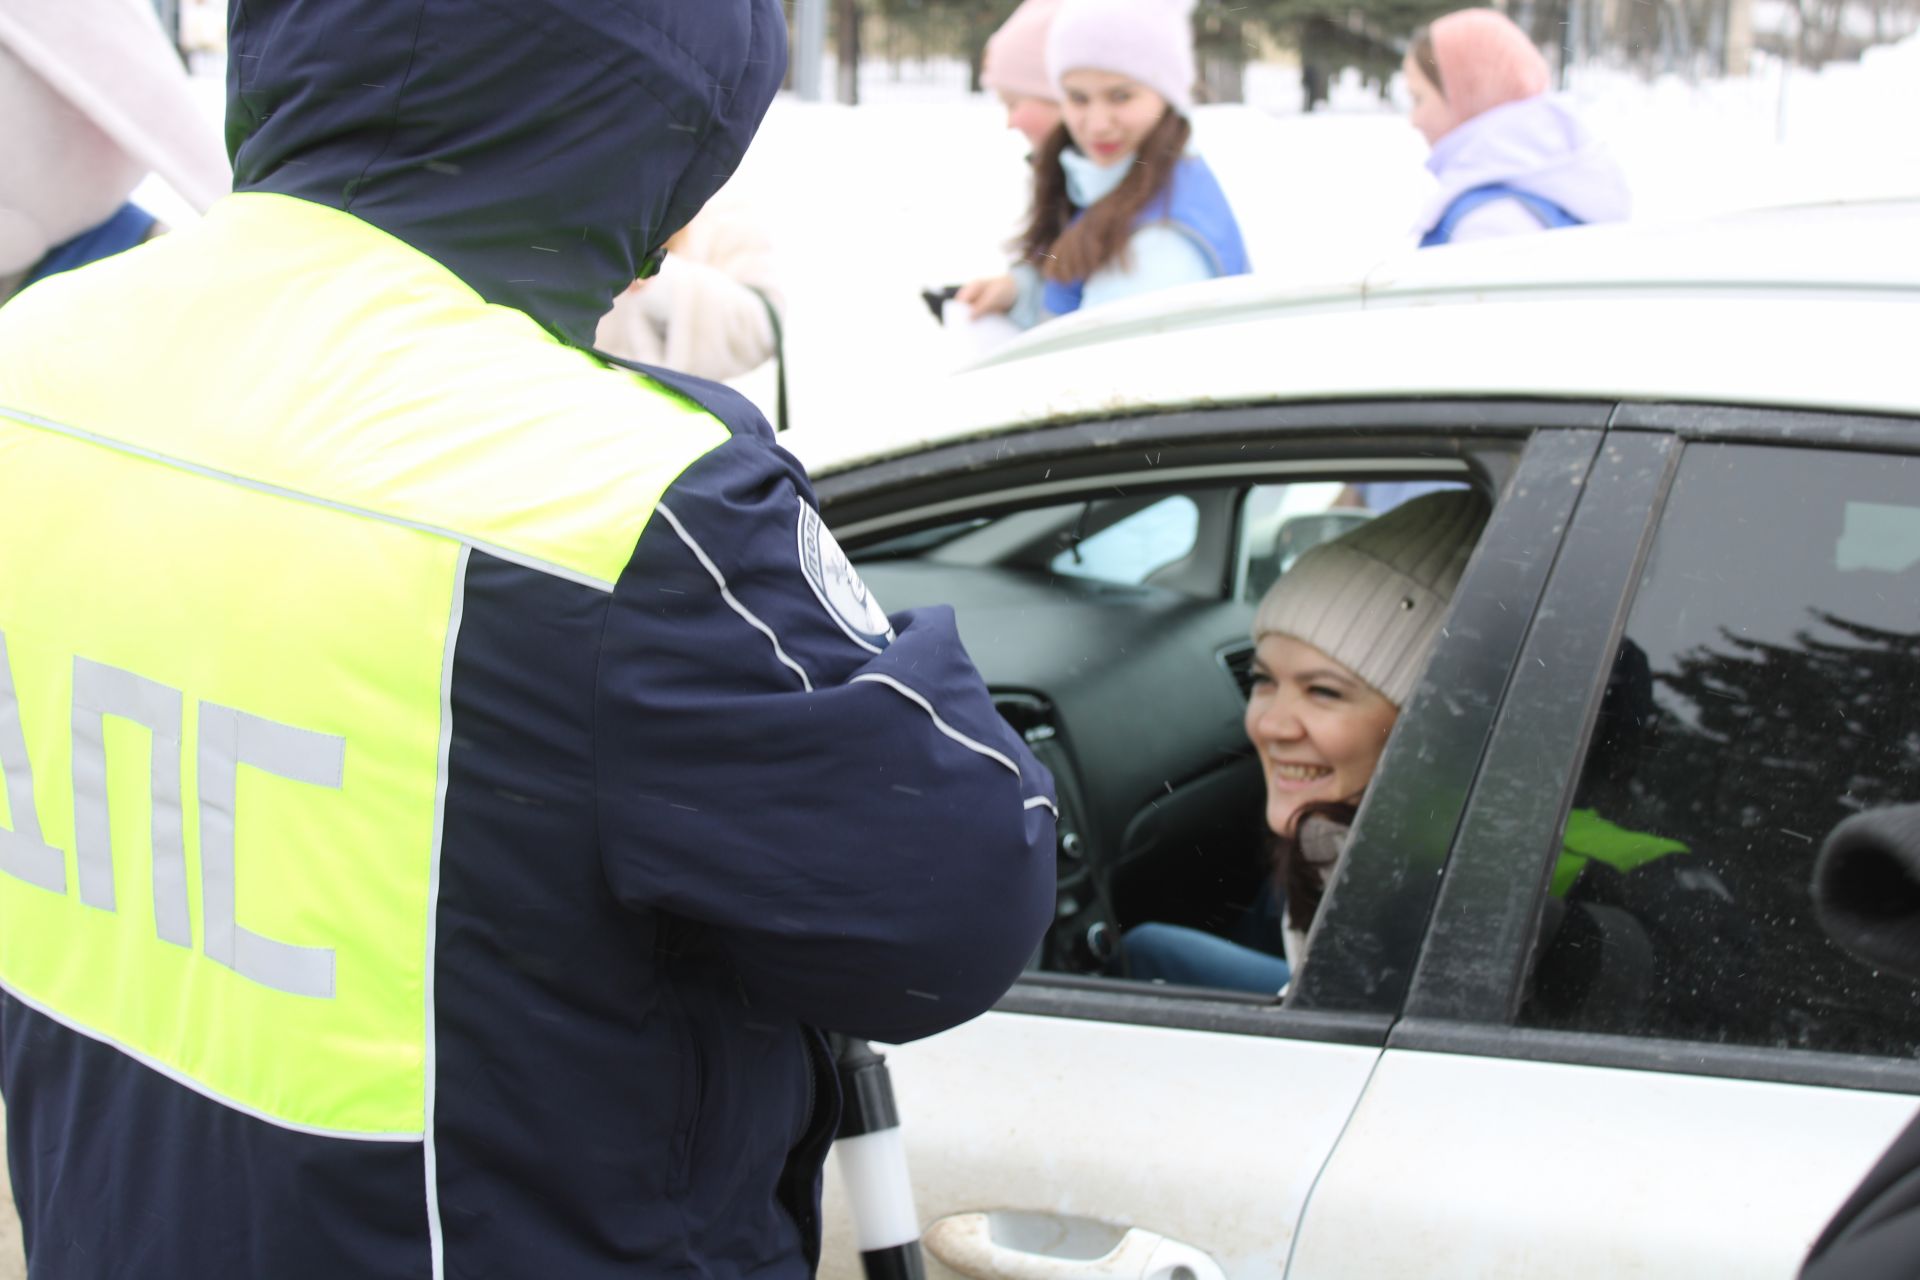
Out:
{"x": 1010, "y": 1245}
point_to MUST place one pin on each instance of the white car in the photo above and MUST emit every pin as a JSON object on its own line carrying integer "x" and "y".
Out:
{"x": 1567, "y": 1011}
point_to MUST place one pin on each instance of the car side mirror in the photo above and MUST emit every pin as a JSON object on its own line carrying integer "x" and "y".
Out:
{"x": 1866, "y": 888}
{"x": 1866, "y": 893}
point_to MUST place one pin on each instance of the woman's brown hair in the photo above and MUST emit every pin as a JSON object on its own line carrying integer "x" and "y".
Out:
{"x": 1425, "y": 58}
{"x": 1294, "y": 873}
{"x": 1066, "y": 252}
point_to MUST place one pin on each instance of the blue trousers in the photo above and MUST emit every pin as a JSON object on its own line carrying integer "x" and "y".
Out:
{"x": 1249, "y": 960}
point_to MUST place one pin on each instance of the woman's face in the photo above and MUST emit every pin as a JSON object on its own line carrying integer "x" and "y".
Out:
{"x": 1430, "y": 114}
{"x": 1035, "y": 118}
{"x": 1317, "y": 728}
{"x": 1108, "y": 116}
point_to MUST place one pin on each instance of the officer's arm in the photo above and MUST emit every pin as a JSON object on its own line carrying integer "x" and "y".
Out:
{"x": 868, "y": 840}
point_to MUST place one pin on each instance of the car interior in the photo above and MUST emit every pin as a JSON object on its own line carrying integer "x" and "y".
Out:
{"x": 1113, "y": 630}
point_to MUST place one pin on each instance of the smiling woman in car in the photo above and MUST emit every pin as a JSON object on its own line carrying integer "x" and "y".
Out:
{"x": 1341, "y": 640}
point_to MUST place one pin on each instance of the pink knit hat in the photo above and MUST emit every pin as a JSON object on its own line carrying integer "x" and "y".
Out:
{"x": 1150, "y": 41}
{"x": 1016, "y": 58}
{"x": 1485, "y": 61}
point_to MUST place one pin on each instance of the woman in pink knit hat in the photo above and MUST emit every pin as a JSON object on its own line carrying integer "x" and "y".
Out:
{"x": 1015, "y": 68}
{"x": 1510, "y": 160}
{"x": 1119, "y": 205}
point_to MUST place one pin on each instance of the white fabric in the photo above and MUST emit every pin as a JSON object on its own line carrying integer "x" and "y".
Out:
{"x": 109, "y": 61}
{"x": 1538, "y": 145}
{"x": 1496, "y": 220}
{"x": 60, "y": 173}
{"x": 701, "y": 314}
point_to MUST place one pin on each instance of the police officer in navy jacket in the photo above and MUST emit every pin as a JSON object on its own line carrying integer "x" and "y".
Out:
{"x": 532, "y": 778}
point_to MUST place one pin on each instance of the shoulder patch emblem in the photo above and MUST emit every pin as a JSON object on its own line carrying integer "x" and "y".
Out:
{"x": 837, "y": 585}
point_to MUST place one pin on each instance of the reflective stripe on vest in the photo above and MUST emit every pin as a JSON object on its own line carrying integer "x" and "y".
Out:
{"x": 228, "y": 610}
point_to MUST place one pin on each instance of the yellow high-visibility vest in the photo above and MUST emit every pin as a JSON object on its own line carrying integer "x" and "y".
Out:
{"x": 231, "y": 572}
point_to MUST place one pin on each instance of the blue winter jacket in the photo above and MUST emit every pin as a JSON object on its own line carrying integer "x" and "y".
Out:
{"x": 1186, "y": 234}
{"x": 692, "y": 818}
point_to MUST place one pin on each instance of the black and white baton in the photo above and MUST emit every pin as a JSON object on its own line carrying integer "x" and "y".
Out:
{"x": 873, "y": 1165}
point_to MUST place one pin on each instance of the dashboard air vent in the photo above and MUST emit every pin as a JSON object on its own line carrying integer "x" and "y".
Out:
{"x": 1238, "y": 660}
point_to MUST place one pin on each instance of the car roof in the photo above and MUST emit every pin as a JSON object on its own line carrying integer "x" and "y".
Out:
{"x": 1813, "y": 306}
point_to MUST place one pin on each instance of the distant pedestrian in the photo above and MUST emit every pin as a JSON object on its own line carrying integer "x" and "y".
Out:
{"x": 1510, "y": 159}
{"x": 712, "y": 310}
{"x": 1120, "y": 206}
{"x": 1014, "y": 68}
{"x": 93, "y": 99}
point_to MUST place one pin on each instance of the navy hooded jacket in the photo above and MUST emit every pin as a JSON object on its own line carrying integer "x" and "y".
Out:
{"x": 692, "y": 816}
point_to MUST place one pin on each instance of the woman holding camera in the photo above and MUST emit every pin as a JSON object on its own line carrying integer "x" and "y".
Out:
{"x": 1120, "y": 206}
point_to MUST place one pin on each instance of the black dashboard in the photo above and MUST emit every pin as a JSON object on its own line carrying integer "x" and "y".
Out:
{"x": 1129, "y": 695}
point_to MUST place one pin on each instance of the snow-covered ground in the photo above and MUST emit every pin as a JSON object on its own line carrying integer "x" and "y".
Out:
{"x": 922, "y": 186}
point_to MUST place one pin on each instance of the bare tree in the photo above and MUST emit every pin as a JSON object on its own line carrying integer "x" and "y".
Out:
{"x": 846, "y": 45}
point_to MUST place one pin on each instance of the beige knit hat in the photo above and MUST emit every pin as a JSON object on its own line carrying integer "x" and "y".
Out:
{"x": 1373, "y": 599}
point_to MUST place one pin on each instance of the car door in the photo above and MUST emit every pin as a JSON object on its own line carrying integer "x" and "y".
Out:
{"x": 1628, "y": 1048}
{"x": 1083, "y": 1107}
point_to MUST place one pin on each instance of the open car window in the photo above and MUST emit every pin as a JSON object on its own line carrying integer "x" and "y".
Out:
{"x": 1130, "y": 549}
{"x": 1115, "y": 633}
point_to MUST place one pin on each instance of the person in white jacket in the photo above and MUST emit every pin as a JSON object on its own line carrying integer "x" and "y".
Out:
{"x": 1509, "y": 158}
{"x": 712, "y": 310}
{"x": 92, "y": 99}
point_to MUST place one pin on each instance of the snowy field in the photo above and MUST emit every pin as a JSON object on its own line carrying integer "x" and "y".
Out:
{"x": 873, "y": 202}
{"x": 922, "y": 185}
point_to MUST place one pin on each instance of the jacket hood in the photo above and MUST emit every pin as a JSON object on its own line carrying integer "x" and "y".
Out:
{"x": 542, "y": 150}
{"x": 1538, "y": 145}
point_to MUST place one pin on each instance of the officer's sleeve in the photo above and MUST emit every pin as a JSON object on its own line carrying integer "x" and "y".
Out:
{"x": 829, "y": 790}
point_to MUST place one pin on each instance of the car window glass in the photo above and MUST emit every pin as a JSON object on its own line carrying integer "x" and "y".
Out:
{"x": 1279, "y": 522}
{"x": 1879, "y": 535}
{"x": 1134, "y": 696}
{"x": 1129, "y": 550}
{"x": 1763, "y": 691}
